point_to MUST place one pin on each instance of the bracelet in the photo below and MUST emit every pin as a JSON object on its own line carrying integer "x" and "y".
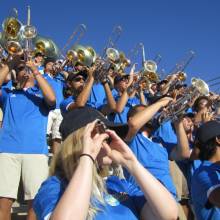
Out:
{"x": 88, "y": 155}
{"x": 36, "y": 73}
{"x": 104, "y": 81}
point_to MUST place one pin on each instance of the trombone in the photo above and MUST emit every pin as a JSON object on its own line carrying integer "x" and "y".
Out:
{"x": 28, "y": 32}
{"x": 77, "y": 53}
{"x": 149, "y": 67}
{"x": 176, "y": 109}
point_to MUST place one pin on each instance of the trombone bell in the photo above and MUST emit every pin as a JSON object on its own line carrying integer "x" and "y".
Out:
{"x": 112, "y": 54}
{"x": 150, "y": 66}
{"x": 13, "y": 47}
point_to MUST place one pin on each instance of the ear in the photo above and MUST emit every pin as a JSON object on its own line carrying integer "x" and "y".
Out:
{"x": 217, "y": 139}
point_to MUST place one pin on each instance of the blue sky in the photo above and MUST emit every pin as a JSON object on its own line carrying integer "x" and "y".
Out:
{"x": 168, "y": 27}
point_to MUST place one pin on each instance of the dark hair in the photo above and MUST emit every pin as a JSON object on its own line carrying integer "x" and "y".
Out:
{"x": 134, "y": 110}
{"x": 20, "y": 67}
{"x": 48, "y": 60}
{"x": 196, "y": 103}
{"x": 208, "y": 149}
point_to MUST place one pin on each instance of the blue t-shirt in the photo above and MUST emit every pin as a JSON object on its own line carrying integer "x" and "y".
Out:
{"x": 154, "y": 157}
{"x": 122, "y": 117}
{"x": 57, "y": 83}
{"x": 97, "y": 96}
{"x": 71, "y": 99}
{"x": 123, "y": 200}
{"x": 25, "y": 121}
{"x": 41, "y": 69}
{"x": 204, "y": 179}
{"x": 166, "y": 133}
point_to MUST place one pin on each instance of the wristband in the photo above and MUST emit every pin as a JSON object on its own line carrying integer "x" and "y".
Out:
{"x": 36, "y": 73}
{"x": 88, "y": 155}
{"x": 104, "y": 82}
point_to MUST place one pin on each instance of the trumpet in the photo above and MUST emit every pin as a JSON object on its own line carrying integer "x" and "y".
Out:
{"x": 174, "y": 110}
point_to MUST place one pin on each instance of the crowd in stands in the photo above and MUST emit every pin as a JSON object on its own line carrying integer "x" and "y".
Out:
{"x": 118, "y": 149}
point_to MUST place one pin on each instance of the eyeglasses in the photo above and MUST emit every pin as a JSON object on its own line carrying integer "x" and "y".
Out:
{"x": 78, "y": 79}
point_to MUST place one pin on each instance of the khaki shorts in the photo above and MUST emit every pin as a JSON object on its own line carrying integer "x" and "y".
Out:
{"x": 31, "y": 168}
{"x": 54, "y": 120}
{"x": 179, "y": 181}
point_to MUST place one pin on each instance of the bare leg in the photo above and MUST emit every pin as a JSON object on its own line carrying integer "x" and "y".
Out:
{"x": 55, "y": 145}
{"x": 5, "y": 208}
{"x": 31, "y": 214}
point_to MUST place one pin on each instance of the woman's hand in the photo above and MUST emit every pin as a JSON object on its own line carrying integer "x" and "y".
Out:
{"x": 92, "y": 144}
{"x": 118, "y": 151}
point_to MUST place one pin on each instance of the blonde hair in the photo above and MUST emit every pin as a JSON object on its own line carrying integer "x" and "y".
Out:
{"x": 65, "y": 162}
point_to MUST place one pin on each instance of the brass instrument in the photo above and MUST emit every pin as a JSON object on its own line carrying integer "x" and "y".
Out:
{"x": 110, "y": 58}
{"x": 149, "y": 67}
{"x": 85, "y": 55}
{"x": 114, "y": 37}
{"x": 180, "y": 67}
{"x": 175, "y": 109}
{"x": 46, "y": 46}
{"x": 11, "y": 35}
{"x": 28, "y": 32}
{"x": 80, "y": 31}
{"x": 13, "y": 47}
{"x": 11, "y": 27}
{"x": 181, "y": 76}
{"x": 112, "y": 55}
{"x": 124, "y": 62}
{"x": 92, "y": 52}
{"x": 72, "y": 55}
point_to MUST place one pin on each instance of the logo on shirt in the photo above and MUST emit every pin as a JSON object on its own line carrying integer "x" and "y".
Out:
{"x": 116, "y": 199}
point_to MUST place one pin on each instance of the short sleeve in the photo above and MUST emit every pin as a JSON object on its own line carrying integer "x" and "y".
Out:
{"x": 137, "y": 196}
{"x": 66, "y": 103}
{"x": 47, "y": 197}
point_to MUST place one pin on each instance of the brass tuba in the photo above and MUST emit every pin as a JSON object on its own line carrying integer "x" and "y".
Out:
{"x": 11, "y": 27}
{"x": 46, "y": 46}
{"x": 11, "y": 35}
{"x": 84, "y": 55}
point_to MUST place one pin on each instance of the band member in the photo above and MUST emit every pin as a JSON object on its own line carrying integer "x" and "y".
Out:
{"x": 23, "y": 143}
{"x": 75, "y": 174}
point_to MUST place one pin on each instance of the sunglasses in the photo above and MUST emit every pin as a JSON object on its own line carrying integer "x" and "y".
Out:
{"x": 78, "y": 79}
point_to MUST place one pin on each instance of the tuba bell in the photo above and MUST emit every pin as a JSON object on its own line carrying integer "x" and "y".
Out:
{"x": 85, "y": 55}
{"x": 11, "y": 35}
{"x": 46, "y": 46}
{"x": 11, "y": 27}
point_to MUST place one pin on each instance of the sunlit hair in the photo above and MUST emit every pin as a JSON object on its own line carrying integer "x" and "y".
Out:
{"x": 65, "y": 162}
